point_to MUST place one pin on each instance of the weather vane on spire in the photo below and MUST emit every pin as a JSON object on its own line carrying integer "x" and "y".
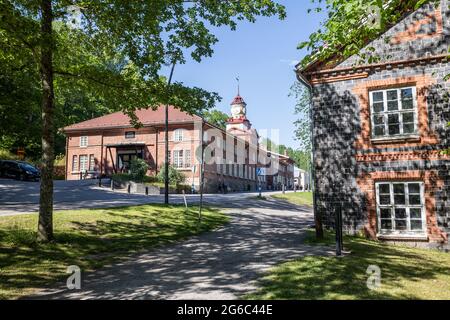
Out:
{"x": 237, "y": 79}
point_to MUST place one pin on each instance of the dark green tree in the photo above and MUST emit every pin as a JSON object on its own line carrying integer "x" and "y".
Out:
{"x": 216, "y": 117}
{"x": 149, "y": 34}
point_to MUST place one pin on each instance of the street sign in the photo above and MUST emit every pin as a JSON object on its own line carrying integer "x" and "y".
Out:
{"x": 260, "y": 171}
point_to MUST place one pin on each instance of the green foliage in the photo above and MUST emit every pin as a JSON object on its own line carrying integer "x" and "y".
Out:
{"x": 350, "y": 24}
{"x": 301, "y": 157}
{"x": 60, "y": 160}
{"x": 115, "y": 59}
{"x": 175, "y": 177}
{"x": 297, "y": 198}
{"x": 138, "y": 169}
{"x": 6, "y": 155}
{"x": 216, "y": 117}
{"x": 303, "y": 111}
{"x": 406, "y": 273}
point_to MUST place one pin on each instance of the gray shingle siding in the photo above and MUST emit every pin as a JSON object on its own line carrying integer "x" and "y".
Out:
{"x": 337, "y": 124}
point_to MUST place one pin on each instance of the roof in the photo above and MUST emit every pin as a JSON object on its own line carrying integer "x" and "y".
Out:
{"x": 146, "y": 117}
{"x": 317, "y": 62}
{"x": 126, "y": 144}
{"x": 238, "y": 100}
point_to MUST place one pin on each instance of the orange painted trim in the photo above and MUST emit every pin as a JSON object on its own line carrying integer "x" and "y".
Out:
{"x": 361, "y": 91}
{"x": 403, "y": 156}
{"x": 345, "y": 77}
{"x": 431, "y": 181}
{"x": 376, "y": 66}
{"x": 411, "y": 33}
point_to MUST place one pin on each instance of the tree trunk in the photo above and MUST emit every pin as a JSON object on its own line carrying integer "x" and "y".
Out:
{"x": 317, "y": 216}
{"x": 319, "y": 227}
{"x": 45, "y": 225}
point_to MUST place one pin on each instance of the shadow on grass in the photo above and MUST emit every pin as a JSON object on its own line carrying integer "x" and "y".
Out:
{"x": 406, "y": 273}
{"x": 90, "y": 240}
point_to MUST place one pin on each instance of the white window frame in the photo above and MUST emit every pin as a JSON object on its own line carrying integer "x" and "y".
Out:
{"x": 84, "y": 164}
{"x": 75, "y": 163}
{"x": 84, "y": 141}
{"x": 178, "y": 158}
{"x": 406, "y": 206}
{"x": 91, "y": 162}
{"x": 187, "y": 158}
{"x": 130, "y": 134}
{"x": 400, "y": 112}
{"x": 178, "y": 135}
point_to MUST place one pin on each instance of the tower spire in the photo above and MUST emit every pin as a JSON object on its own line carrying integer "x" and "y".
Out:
{"x": 238, "y": 84}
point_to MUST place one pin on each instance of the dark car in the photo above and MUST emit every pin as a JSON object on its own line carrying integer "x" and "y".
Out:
{"x": 19, "y": 170}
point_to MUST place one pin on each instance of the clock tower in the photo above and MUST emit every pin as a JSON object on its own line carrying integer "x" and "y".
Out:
{"x": 238, "y": 118}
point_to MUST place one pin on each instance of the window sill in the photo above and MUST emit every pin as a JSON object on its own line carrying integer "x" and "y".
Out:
{"x": 395, "y": 139}
{"x": 412, "y": 237}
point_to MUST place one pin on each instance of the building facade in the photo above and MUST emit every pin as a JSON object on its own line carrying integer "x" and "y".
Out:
{"x": 232, "y": 157}
{"x": 379, "y": 131}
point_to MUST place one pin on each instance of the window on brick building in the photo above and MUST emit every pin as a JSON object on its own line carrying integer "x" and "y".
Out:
{"x": 75, "y": 163}
{"x": 178, "y": 159}
{"x": 91, "y": 162}
{"x": 130, "y": 135}
{"x": 83, "y": 141}
{"x": 178, "y": 135}
{"x": 400, "y": 207}
{"x": 187, "y": 158}
{"x": 182, "y": 158}
{"x": 394, "y": 112}
{"x": 83, "y": 162}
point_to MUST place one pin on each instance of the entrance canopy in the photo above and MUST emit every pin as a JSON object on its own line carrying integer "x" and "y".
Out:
{"x": 124, "y": 158}
{"x": 125, "y": 145}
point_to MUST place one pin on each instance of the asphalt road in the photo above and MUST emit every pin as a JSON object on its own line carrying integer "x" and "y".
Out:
{"x": 19, "y": 197}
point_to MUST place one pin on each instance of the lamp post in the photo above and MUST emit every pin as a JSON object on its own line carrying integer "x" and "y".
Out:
{"x": 166, "y": 141}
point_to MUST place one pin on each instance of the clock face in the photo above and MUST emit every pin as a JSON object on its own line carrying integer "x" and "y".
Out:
{"x": 236, "y": 110}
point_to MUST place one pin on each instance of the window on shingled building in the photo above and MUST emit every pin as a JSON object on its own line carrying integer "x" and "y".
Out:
{"x": 394, "y": 112}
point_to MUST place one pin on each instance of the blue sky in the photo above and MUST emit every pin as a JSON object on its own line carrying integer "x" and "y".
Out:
{"x": 262, "y": 54}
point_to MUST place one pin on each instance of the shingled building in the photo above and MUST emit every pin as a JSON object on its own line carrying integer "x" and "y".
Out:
{"x": 380, "y": 130}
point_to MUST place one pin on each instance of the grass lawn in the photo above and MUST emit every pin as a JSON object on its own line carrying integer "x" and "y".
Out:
{"x": 406, "y": 273}
{"x": 299, "y": 198}
{"x": 89, "y": 239}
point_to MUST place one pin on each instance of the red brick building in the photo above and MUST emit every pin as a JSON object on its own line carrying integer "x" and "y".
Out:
{"x": 104, "y": 146}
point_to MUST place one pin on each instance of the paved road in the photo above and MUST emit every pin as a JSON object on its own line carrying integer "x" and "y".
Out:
{"x": 218, "y": 265}
{"x": 18, "y": 197}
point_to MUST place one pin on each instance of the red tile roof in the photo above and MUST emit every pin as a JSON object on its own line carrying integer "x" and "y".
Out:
{"x": 145, "y": 116}
{"x": 238, "y": 100}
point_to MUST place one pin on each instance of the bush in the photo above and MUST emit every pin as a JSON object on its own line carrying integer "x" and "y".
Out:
{"x": 6, "y": 155}
{"x": 60, "y": 160}
{"x": 175, "y": 176}
{"x": 138, "y": 170}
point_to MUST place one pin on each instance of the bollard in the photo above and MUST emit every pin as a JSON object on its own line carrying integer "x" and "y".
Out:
{"x": 129, "y": 188}
{"x": 338, "y": 229}
{"x": 81, "y": 175}
{"x": 112, "y": 184}
{"x": 146, "y": 191}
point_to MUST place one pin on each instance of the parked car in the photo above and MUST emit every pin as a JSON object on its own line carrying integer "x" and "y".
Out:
{"x": 19, "y": 170}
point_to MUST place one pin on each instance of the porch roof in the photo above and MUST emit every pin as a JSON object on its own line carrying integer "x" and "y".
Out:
{"x": 125, "y": 144}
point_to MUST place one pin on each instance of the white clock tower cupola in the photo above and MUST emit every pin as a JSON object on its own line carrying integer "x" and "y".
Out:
{"x": 238, "y": 118}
